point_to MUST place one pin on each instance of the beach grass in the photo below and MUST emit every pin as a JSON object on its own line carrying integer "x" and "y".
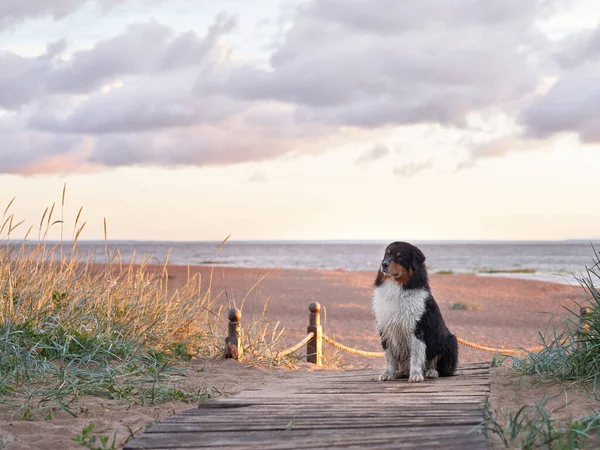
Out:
{"x": 570, "y": 353}
{"x": 74, "y": 325}
{"x": 508, "y": 271}
{"x": 533, "y": 426}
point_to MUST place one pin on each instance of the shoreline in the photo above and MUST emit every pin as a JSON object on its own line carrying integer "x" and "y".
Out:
{"x": 525, "y": 274}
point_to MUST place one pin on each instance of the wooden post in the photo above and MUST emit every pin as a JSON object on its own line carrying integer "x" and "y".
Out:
{"x": 314, "y": 347}
{"x": 233, "y": 341}
{"x": 583, "y": 311}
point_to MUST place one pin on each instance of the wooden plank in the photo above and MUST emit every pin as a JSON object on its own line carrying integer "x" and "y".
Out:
{"x": 295, "y": 424}
{"x": 299, "y": 438}
{"x": 335, "y": 409}
{"x": 318, "y": 415}
{"x": 448, "y": 443}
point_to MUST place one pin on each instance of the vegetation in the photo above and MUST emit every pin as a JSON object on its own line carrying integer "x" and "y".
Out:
{"x": 573, "y": 355}
{"x": 465, "y": 306}
{"x": 513, "y": 271}
{"x": 532, "y": 426}
{"x": 71, "y": 326}
{"x": 574, "y": 352}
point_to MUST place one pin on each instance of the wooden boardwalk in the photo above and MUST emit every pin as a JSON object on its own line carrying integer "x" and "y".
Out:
{"x": 336, "y": 409}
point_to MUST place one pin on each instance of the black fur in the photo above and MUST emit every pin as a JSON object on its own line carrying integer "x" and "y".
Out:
{"x": 439, "y": 342}
{"x": 384, "y": 343}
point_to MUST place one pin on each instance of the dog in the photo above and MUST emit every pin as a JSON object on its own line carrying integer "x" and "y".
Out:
{"x": 414, "y": 336}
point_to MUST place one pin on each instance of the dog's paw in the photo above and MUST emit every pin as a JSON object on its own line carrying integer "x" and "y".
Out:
{"x": 416, "y": 377}
{"x": 387, "y": 376}
{"x": 432, "y": 373}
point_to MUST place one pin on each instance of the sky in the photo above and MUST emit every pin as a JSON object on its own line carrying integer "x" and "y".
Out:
{"x": 302, "y": 119}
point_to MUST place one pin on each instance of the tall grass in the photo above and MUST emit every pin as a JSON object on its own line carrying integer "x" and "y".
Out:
{"x": 573, "y": 351}
{"x": 532, "y": 426}
{"x": 72, "y": 326}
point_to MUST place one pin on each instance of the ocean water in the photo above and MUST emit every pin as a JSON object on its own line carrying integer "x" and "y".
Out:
{"x": 547, "y": 261}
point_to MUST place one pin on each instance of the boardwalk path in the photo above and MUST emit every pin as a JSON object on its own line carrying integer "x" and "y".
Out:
{"x": 336, "y": 409}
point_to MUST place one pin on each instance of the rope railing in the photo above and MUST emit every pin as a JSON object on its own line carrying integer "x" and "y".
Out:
{"x": 352, "y": 351}
{"x": 315, "y": 337}
{"x": 298, "y": 346}
{"x": 502, "y": 351}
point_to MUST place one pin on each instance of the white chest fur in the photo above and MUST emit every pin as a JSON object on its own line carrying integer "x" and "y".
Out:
{"x": 397, "y": 311}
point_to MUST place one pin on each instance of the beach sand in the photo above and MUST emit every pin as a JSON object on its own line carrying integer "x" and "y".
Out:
{"x": 508, "y": 312}
{"x": 505, "y": 312}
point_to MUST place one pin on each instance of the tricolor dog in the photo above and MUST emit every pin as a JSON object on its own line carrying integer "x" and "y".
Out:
{"x": 414, "y": 337}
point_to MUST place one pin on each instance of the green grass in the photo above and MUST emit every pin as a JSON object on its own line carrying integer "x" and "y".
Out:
{"x": 88, "y": 440}
{"x": 532, "y": 427}
{"x": 70, "y": 327}
{"x": 465, "y": 306}
{"x": 571, "y": 352}
{"x": 513, "y": 271}
{"x": 444, "y": 272}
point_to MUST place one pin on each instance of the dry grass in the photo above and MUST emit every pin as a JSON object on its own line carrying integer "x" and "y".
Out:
{"x": 71, "y": 326}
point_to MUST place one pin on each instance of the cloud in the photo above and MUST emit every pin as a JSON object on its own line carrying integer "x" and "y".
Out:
{"x": 20, "y": 150}
{"x": 572, "y": 104}
{"x": 137, "y": 107}
{"x": 258, "y": 177}
{"x": 14, "y": 11}
{"x": 348, "y": 63}
{"x": 152, "y": 96}
{"x": 144, "y": 50}
{"x": 156, "y": 48}
{"x": 411, "y": 169}
{"x": 375, "y": 153}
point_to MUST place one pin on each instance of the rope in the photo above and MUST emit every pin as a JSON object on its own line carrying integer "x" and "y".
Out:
{"x": 503, "y": 351}
{"x": 296, "y": 347}
{"x": 460, "y": 341}
{"x": 352, "y": 350}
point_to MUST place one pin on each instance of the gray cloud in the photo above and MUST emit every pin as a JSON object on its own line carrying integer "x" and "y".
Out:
{"x": 376, "y": 152}
{"x": 143, "y": 49}
{"x": 14, "y": 11}
{"x": 349, "y": 63}
{"x": 150, "y": 96}
{"x": 412, "y": 168}
{"x": 493, "y": 148}
{"x": 20, "y": 150}
{"x": 573, "y": 103}
{"x": 199, "y": 145}
{"x": 156, "y": 50}
{"x": 138, "y": 107}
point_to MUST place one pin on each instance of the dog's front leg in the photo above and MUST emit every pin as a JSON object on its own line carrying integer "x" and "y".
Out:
{"x": 417, "y": 360}
{"x": 391, "y": 367}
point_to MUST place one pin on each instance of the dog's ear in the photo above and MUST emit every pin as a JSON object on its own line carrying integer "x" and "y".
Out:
{"x": 418, "y": 258}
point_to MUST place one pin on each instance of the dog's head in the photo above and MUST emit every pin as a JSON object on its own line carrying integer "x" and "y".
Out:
{"x": 401, "y": 261}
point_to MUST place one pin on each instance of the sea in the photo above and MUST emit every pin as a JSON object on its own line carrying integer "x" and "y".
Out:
{"x": 559, "y": 262}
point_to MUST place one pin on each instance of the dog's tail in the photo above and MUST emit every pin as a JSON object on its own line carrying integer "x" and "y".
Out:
{"x": 449, "y": 358}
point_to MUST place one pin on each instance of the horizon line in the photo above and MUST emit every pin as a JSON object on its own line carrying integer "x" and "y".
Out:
{"x": 324, "y": 241}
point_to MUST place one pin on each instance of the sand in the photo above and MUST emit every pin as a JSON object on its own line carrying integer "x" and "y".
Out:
{"x": 506, "y": 312}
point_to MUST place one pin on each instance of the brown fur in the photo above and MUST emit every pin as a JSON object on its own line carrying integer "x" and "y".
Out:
{"x": 401, "y": 275}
